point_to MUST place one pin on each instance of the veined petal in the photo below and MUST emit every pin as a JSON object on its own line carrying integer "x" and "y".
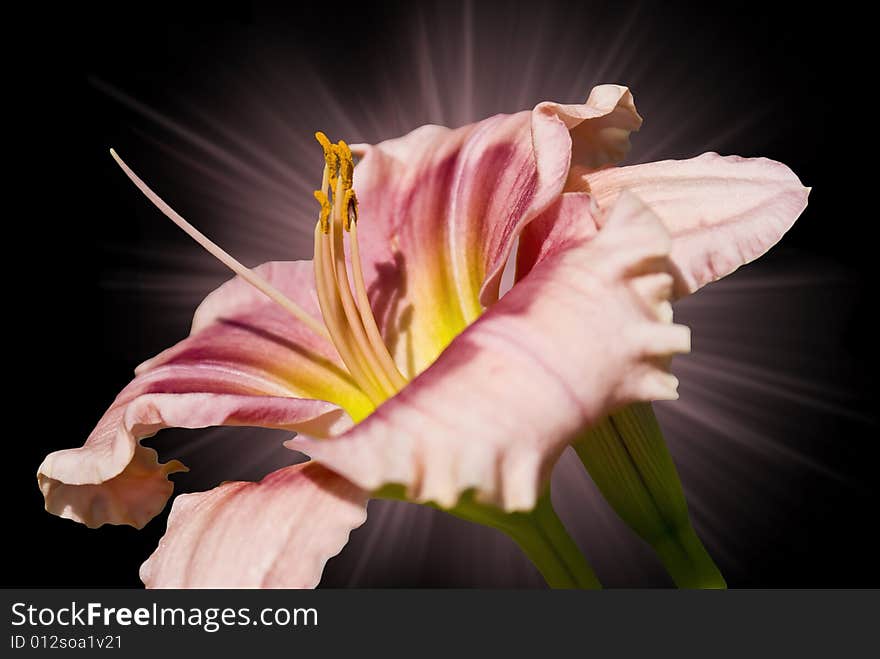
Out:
{"x": 587, "y": 331}
{"x": 277, "y": 533}
{"x": 236, "y": 323}
{"x": 247, "y": 363}
{"x": 722, "y": 211}
{"x": 112, "y": 479}
{"x": 444, "y": 207}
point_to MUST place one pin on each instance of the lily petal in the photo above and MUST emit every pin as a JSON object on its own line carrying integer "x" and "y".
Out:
{"x": 444, "y": 208}
{"x": 247, "y": 363}
{"x": 497, "y": 408}
{"x": 722, "y": 211}
{"x": 237, "y": 323}
{"x": 277, "y": 533}
{"x": 112, "y": 479}
{"x": 569, "y": 220}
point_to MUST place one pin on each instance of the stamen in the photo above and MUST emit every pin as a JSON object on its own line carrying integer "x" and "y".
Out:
{"x": 348, "y": 317}
{"x": 245, "y": 273}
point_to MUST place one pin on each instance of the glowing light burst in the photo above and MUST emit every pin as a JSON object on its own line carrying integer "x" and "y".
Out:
{"x": 240, "y": 152}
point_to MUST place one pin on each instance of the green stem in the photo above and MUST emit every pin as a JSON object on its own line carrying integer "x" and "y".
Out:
{"x": 627, "y": 458}
{"x": 539, "y": 533}
{"x": 687, "y": 561}
{"x": 541, "y": 536}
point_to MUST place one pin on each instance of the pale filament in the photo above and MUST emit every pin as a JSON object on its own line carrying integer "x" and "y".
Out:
{"x": 369, "y": 320}
{"x": 352, "y": 312}
{"x": 328, "y": 298}
{"x": 351, "y": 322}
{"x": 225, "y": 258}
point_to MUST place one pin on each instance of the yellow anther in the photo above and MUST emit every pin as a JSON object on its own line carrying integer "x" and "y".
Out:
{"x": 331, "y": 157}
{"x": 346, "y": 164}
{"x": 350, "y": 208}
{"x": 324, "y": 217}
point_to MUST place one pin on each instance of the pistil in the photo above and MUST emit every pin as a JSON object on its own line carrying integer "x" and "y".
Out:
{"x": 225, "y": 258}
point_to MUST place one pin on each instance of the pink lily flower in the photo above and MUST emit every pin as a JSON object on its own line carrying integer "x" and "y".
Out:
{"x": 394, "y": 357}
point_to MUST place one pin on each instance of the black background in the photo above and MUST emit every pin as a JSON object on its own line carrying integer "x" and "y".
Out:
{"x": 72, "y": 344}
